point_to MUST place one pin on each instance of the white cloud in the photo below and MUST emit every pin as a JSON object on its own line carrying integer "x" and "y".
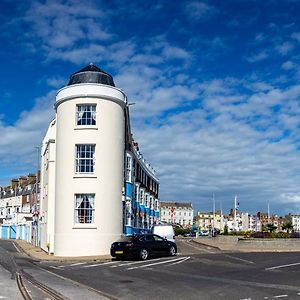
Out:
{"x": 288, "y": 65}
{"x": 224, "y": 135}
{"x": 56, "y": 82}
{"x": 285, "y": 48}
{"x": 232, "y": 143}
{"x": 18, "y": 140}
{"x": 296, "y": 36}
{"x": 62, "y": 24}
{"x": 262, "y": 55}
{"x": 199, "y": 10}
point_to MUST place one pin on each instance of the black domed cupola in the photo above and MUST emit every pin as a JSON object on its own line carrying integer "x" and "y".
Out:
{"x": 91, "y": 74}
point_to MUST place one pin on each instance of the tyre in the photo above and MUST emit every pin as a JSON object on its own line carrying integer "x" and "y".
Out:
{"x": 172, "y": 251}
{"x": 144, "y": 254}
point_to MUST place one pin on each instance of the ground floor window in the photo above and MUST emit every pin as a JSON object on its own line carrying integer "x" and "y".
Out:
{"x": 84, "y": 208}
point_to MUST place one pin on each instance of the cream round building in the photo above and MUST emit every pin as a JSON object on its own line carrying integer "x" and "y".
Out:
{"x": 86, "y": 196}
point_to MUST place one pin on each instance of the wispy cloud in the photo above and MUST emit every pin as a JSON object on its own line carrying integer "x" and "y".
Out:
{"x": 288, "y": 65}
{"x": 60, "y": 25}
{"x": 199, "y": 10}
{"x": 205, "y": 123}
{"x": 226, "y": 145}
{"x": 285, "y": 48}
{"x": 19, "y": 139}
{"x": 262, "y": 55}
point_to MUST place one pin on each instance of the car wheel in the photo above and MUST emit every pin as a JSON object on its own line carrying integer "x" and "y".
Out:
{"x": 144, "y": 254}
{"x": 172, "y": 251}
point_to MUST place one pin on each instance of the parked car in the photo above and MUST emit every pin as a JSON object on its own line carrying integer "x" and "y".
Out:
{"x": 189, "y": 234}
{"x": 203, "y": 233}
{"x": 142, "y": 246}
{"x": 164, "y": 230}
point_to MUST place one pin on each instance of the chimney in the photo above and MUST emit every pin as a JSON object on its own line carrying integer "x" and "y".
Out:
{"x": 31, "y": 178}
{"x": 23, "y": 181}
{"x": 14, "y": 183}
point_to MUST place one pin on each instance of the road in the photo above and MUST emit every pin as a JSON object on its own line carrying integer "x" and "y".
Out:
{"x": 198, "y": 272}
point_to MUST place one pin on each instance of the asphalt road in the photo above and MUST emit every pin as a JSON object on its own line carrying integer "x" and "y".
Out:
{"x": 198, "y": 272}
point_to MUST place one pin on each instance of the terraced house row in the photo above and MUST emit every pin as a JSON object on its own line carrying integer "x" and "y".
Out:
{"x": 19, "y": 208}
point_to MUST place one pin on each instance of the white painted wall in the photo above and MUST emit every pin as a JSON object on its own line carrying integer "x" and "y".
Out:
{"x": 106, "y": 183}
{"x": 47, "y": 189}
{"x": 296, "y": 222}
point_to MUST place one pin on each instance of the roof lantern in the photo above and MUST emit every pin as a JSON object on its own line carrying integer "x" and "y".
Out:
{"x": 91, "y": 74}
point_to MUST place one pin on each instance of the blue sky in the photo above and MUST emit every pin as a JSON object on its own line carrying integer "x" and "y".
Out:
{"x": 216, "y": 87}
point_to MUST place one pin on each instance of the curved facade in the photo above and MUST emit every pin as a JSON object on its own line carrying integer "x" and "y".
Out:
{"x": 91, "y": 183}
{"x": 89, "y": 169}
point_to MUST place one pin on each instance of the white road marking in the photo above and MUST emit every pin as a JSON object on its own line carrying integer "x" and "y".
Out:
{"x": 280, "y": 296}
{"x": 158, "y": 263}
{"x": 282, "y": 266}
{"x": 240, "y": 259}
{"x": 298, "y": 294}
{"x": 53, "y": 267}
{"x": 136, "y": 262}
{"x": 179, "y": 262}
{"x": 266, "y": 297}
{"x": 77, "y": 264}
{"x": 246, "y": 299}
{"x": 16, "y": 247}
{"x": 101, "y": 264}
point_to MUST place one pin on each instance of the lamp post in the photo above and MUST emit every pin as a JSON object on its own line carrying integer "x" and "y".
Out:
{"x": 35, "y": 213}
{"x": 214, "y": 208}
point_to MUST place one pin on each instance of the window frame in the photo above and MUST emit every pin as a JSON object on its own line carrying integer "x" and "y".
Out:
{"x": 78, "y": 160}
{"x": 90, "y": 119}
{"x": 86, "y": 216}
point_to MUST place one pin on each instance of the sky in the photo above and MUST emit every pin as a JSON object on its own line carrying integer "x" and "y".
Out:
{"x": 215, "y": 86}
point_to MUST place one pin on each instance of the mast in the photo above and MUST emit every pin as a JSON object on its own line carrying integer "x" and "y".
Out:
{"x": 214, "y": 208}
{"x": 235, "y": 227}
{"x": 268, "y": 211}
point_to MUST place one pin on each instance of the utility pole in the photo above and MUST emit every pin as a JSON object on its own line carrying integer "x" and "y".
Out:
{"x": 35, "y": 206}
{"x": 268, "y": 211}
{"x": 235, "y": 227}
{"x": 221, "y": 221}
{"x": 214, "y": 208}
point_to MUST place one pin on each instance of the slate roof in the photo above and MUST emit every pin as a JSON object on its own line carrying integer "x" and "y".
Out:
{"x": 176, "y": 204}
{"x": 18, "y": 191}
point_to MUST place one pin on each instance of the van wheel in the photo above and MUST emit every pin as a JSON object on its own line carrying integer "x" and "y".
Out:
{"x": 144, "y": 254}
{"x": 172, "y": 251}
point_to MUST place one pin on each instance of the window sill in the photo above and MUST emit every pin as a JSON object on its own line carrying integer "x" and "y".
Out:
{"x": 85, "y": 127}
{"x": 84, "y": 226}
{"x": 84, "y": 176}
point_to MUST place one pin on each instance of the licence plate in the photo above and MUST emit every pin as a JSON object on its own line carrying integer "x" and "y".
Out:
{"x": 118, "y": 252}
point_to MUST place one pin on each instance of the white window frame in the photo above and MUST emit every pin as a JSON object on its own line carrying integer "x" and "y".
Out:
{"x": 85, "y": 164}
{"x": 83, "y": 214}
{"x": 128, "y": 167}
{"x": 86, "y": 115}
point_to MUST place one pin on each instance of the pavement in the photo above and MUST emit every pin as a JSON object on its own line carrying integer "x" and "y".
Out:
{"x": 37, "y": 253}
{"x": 68, "y": 288}
{"x": 8, "y": 286}
{"x": 232, "y": 243}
